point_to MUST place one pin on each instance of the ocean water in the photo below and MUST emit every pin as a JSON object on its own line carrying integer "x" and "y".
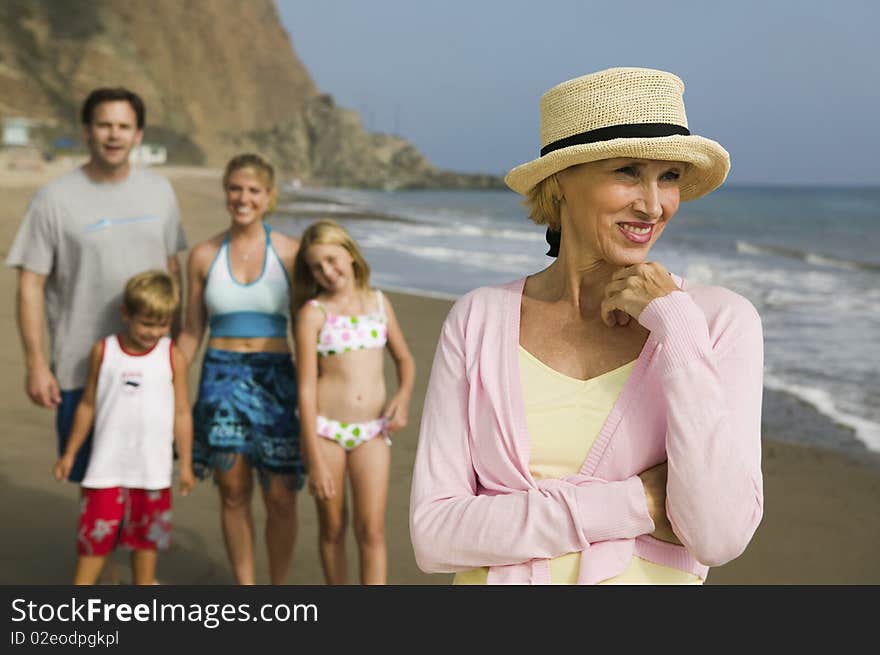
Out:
{"x": 808, "y": 259}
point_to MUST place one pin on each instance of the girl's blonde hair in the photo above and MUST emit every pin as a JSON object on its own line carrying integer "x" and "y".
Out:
{"x": 260, "y": 167}
{"x": 152, "y": 293}
{"x": 543, "y": 201}
{"x": 325, "y": 232}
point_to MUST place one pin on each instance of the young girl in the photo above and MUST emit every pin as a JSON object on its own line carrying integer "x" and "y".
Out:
{"x": 342, "y": 329}
{"x": 245, "y": 415}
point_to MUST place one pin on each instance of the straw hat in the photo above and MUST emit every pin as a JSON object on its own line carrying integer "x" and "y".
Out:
{"x": 621, "y": 112}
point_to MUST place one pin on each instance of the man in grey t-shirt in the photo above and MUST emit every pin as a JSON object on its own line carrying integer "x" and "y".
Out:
{"x": 83, "y": 236}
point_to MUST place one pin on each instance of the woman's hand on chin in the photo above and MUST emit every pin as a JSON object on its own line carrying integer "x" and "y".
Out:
{"x": 631, "y": 290}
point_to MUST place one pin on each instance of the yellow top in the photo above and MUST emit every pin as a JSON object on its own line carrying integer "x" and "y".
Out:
{"x": 560, "y": 410}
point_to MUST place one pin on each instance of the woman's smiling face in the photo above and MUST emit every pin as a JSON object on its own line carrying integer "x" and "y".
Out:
{"x": 247, "y": 196}
{"x": 614, "y": 210}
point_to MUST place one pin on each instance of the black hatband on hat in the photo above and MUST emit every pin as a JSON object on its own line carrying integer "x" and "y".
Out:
{"x": 628, "y": 131}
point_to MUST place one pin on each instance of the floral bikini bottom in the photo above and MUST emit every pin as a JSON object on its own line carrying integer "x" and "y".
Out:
{"x": 352, "y": 435}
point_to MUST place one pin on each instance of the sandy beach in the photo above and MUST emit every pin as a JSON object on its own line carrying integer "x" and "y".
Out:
{"x": 821, "y": 522}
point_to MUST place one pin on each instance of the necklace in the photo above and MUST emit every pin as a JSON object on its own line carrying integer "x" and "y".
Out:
{"x": 245, "y": 254}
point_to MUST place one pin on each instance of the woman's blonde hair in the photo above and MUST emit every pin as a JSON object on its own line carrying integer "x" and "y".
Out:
{"x": 543, "y": 201}
{"x": 260, "y": 167}
{"x": 151, "y": 293}
{"x": 325, "y": 232}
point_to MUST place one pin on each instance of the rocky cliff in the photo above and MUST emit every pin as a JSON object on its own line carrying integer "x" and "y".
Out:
{"x": 217, "y": 77}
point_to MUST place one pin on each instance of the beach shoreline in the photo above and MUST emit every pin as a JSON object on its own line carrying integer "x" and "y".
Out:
{"x": 821, "y": 524}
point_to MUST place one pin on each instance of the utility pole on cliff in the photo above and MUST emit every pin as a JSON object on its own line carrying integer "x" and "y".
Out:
{"x": 397, "y": 119}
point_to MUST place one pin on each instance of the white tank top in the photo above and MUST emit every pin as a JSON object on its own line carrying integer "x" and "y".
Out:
{"x": 134, "y": 419}
{"x": 258, "y": 309}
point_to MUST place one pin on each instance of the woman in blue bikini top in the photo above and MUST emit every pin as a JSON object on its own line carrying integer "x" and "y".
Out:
{"x": 244, "y": 418}
{"x": 342, "y": 330}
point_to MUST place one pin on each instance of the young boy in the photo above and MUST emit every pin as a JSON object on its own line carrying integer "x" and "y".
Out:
{"x": 136, "y": 396}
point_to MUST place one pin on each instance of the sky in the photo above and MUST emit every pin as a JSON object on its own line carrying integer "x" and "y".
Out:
{"x": 790, "y": 88}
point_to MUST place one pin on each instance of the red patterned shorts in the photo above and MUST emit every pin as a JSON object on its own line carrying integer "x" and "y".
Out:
{"x": 137, "y": 519}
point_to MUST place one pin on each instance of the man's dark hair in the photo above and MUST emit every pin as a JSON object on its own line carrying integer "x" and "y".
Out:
{"x": 106, "y": 94}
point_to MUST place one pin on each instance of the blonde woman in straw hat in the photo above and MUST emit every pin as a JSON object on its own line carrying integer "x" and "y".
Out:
{"x": 599, "y": 421}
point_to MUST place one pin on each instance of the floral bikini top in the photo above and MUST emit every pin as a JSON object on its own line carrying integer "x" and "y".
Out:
{"x": 342, "y": 334}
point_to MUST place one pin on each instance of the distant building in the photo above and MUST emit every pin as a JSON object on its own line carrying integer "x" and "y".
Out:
{"x": 148, "y": 154}
{"x": 16, "y": 131}
{"x": 65, "y": 143}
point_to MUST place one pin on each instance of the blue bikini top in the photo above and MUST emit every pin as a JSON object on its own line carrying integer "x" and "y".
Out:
{"x": 258, "y": 309}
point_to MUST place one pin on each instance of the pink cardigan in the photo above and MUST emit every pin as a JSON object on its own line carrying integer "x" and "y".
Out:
{"x": 693, "y": 399}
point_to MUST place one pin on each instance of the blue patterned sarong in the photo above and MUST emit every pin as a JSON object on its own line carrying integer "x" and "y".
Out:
{"x": 247, "y": 405}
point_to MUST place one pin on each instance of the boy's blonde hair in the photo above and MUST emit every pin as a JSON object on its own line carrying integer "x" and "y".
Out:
{"x": 543, "y": 200}
{"x": 151, "y": 293}
{"x": 325, "y": 232}
{"x": 261, "y": 167}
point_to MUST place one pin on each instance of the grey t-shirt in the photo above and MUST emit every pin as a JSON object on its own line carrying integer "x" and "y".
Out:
{"x": 89, "y": 238}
